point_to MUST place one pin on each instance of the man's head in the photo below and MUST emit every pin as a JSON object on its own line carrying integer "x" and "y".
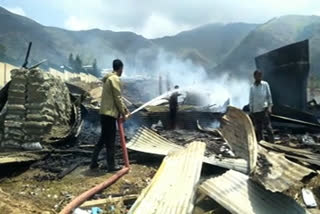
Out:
{"x": 257, "y": 76}
{"x": 176, "y": 87}
{"x": 117, "y": 66}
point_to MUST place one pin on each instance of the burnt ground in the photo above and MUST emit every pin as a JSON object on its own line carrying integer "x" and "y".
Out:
{"x": 40, "y": 188}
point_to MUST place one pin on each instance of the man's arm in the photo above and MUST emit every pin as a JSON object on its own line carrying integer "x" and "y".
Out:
{"x": 269, "y": 96}
{"x": 116, "y": 92}
{"x": 250, "y": 100}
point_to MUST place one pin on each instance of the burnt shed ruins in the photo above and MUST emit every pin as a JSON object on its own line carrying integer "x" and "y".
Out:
{"x": 211, "y": 162}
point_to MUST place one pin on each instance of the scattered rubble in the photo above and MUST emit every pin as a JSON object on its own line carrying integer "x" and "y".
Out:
{"x": 215, "y": 145}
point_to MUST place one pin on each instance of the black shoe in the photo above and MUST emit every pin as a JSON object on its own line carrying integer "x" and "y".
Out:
{"x": 94, "y": 165}
{"x": 113, "y": 168}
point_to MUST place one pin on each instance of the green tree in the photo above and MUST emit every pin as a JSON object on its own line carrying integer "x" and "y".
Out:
{"x": 95, "y": 69}
{"x": 78, "y": 64}
{"x": 71, "y": 61}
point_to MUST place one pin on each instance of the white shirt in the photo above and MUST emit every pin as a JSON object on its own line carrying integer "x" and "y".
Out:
{"x": 260, "y": 97}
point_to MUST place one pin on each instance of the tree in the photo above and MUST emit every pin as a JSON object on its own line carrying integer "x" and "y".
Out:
{"x": 78, "y": 64}
{"x": 71, "y": 61}
{"x": 95, "y": 70}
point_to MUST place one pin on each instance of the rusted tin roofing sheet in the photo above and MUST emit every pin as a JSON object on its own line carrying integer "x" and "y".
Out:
{"x": 173, "y": 187}
{"x": 238, "y": 194}
{"x": 151, "y": 142}
{"x": 276, "y": 173}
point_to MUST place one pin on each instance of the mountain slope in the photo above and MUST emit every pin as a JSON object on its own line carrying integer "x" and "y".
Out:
{"x": 274, "y": 34}
{"x": 205, "y": 45}
{"x": 212, "y": 41}
{"x": 56, "y": 44}
{"x": 217, "y": 47}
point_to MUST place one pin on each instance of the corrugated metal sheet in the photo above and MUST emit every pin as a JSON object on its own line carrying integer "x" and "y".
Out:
{"x": 238, "y": 130}
{"x": 238, "y": 194}
{"x": 173, "y": 187}
{"x": 289, "y": 66}
{"x": 151, "y": 142}
{"x": 276, "y": 173}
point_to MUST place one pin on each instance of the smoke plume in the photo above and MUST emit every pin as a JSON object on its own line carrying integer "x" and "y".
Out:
{"x": 188, "y": 76}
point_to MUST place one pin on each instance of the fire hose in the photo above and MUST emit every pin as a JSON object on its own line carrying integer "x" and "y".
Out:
{"x": 89, "y": 193}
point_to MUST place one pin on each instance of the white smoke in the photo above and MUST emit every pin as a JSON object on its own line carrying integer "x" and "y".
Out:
{"x": 190, "y": 77}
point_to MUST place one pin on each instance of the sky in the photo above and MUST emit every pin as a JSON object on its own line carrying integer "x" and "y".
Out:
{"x": 155, "y": 18}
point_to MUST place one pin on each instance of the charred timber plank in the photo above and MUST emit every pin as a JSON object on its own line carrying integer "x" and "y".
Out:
{"x": 296, "y": 121}
{"x": 72, "y": 151}
{"x": 301, "y": 152}
{"x": 87, "y": 146}
{"x": 307, "y": 160}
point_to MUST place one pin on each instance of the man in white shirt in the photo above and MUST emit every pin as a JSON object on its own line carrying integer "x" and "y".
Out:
{"x": 260, "y": 105}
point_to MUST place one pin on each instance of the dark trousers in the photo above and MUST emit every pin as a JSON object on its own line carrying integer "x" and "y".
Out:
{"x": 173, "y": 117}
{"x": 107, "y": 139}
{"x": 262, "y": 121}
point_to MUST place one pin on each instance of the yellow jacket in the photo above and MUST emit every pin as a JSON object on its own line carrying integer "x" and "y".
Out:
{"x": 111, "y": 100}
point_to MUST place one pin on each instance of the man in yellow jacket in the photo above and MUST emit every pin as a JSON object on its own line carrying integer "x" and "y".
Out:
{"x": 112, "y": 107}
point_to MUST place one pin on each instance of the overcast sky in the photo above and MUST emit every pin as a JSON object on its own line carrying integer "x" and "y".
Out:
{"x": 155, "y": 18}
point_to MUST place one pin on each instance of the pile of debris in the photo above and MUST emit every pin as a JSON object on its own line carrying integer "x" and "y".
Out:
{"x": 215, "y": 143}
{"x": 39, "y": 106}
{"x": 267, "y": 173}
